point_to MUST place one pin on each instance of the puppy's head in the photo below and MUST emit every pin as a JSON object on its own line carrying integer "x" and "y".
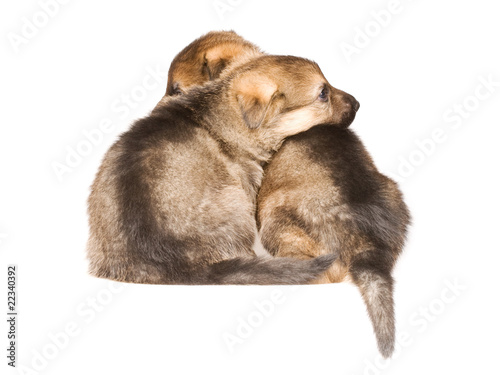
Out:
{"x": 206, "y": 58}
{"x": 287, "y": 95}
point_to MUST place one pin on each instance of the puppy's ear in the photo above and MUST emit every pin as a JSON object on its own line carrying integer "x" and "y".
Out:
{"x": 213, "y": 68}
{"x": 218, "y": 58}
{"x": 258, "y": 98}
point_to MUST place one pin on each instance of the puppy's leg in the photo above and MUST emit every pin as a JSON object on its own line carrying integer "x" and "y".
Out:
{"x": 292, "y": 241}
{"x": 371, "y": 272}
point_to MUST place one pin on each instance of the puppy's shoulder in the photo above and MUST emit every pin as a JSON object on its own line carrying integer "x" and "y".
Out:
{"x": 171, "y": 124}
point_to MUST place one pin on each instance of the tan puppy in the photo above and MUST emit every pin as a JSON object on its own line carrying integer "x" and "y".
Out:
{"x": 322, "y": 194}
{"x": 205, "y": 59}
{"x": 174, "y": 199}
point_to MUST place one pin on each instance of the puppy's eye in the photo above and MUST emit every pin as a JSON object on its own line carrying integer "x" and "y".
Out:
{"x": 323, "y": 95}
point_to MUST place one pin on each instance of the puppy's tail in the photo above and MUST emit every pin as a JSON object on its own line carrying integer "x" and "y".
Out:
{"x": 267, "y": 271}
{"x": 372, "y": 275}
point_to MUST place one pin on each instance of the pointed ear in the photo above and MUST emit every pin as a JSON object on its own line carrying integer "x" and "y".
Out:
{"x": 217, "y": 58}
{"x": 257, "y": 98}
{"x": 212, "y": 68}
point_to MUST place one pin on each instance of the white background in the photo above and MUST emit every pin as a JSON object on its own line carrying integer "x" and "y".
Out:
{"x": 69, "y": 77}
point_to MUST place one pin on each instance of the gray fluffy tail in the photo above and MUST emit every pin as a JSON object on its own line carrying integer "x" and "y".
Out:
{"x": 267, "y": 271}
{"x": 372, "y": 275}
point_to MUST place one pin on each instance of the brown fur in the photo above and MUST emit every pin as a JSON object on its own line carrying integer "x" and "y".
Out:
{"x": 205, "y": 59}
{"x": 322, "y": 194}
{"x": 174, "y": 199}
{"x": 323, "y": 190}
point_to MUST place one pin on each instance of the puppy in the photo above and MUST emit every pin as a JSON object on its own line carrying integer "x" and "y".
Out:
{"x": 174, "y": 199}
{"x": 205, "y": 59}
{"x": 321, "y": 194}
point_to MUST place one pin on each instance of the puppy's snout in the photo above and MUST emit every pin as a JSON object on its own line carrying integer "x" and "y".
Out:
{"x": 350, "y": 103}
{"x": 355, "y": 104}
{"x": 347, "y": 107}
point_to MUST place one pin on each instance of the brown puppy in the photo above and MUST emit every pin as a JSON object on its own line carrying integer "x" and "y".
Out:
{"x": 322, "y": 194}
{"x": 174, "y": 199}
{"x": 205, "y": 59}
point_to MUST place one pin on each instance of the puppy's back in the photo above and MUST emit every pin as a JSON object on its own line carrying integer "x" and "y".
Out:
{"x": 327, "y": 174}
{"x": 323, "y": 194}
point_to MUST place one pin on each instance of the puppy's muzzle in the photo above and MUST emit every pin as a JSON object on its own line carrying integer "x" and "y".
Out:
{"x": 348, "y": 106}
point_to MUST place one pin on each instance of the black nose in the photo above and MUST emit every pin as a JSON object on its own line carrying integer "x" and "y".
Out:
{"x": 350, "y": 107}
{"x": 351, "y": 100}
{"x": 355, "y": 105}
